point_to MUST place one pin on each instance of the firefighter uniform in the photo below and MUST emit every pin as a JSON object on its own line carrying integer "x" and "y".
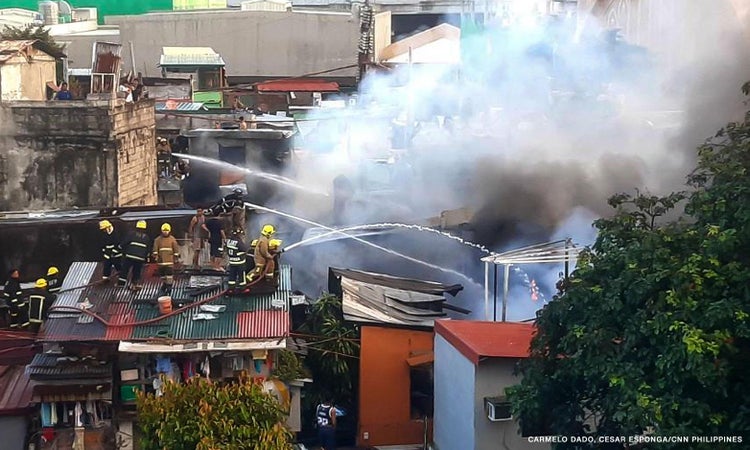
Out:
{"x": 135, "y": 251}
{"x": 264, "y": 263}
{"x": 13, "y": 298}
{"x": 111, "y": 251}
{"x": 164, "y": 158}
{"x": 166, "y": 252}
{"x": 53, "y": 280}
{"x": 40, "y": 300}
{"x": 237, "y": 255}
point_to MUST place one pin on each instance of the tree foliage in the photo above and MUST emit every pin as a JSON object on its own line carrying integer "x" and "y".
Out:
{"x": 30, "y": 32}
{"x": 333, "y": 351}
{"x": 651, "y": 331}
{"x": 200, "y": 415}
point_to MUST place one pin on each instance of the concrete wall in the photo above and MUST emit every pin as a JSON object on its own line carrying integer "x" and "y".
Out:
{"x": 252, "y": 43}
{"x": 78, "y": 47}
{"x": 23, "y": 80}
{"x": 13, "y": 431}
{"x": 384, "y": 386}
{"x": 492, "y": 377}
{"x": 454, "y": 398}
{"x": 77, "y": 154}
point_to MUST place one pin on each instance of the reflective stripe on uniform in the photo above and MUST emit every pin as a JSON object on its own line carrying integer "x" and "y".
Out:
{"x": 139, "y": 244}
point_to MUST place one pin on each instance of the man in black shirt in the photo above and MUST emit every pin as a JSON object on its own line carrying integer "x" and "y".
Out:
{"x": 216, "y": 238}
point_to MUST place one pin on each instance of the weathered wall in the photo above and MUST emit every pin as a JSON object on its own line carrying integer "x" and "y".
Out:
{"x": 77, "y": 154}
{"x": 22, "y": 80}
{"x": 252, "y": 43}
{"x": 384, "y": 385}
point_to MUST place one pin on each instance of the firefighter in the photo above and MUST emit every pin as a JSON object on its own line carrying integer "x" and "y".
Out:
{"x": 264, "y": 263}
{"x": 13, "y": 297}
{"x": 135, "y": 252}
{"x": 166, "y": 253}
{"x": 228, "y": 204}
{"x": 110, "y": 250}
{"x": 274, "y": 248}
{"x": 237, "y": 255}
{"x": 53, "y": 280}
{"x": 164, "y": 157}
{"x": 40, "y": 300}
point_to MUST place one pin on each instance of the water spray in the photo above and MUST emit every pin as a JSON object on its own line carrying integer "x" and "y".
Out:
{"x": 265, "y": 175}
{"x": 368, "y": 243}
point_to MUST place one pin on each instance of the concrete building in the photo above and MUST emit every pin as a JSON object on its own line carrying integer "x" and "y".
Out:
{"x": 66, "y": 154}
{"x": 474, "y": 364}
{"x": 253, "y": 43}
{"x": 25, "y": 69}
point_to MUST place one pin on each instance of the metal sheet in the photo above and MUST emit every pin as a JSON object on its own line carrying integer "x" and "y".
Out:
{"x": 106, "y": 57}
{"x": 79, "y": 274}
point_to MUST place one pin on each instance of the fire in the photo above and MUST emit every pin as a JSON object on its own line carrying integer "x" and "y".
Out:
{"x": 534, "y": 291}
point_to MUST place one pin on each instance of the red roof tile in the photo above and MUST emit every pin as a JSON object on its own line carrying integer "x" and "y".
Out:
{"x": 475, "y": 339}
{"x": 16, "y": 390}
{"x": 298, "y": 85}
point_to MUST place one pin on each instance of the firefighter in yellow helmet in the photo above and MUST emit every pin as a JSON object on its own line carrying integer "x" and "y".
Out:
{"x": 135, "y": 252}
{"x": 111, "y": 251}
{"x": 54, "y": 284}
{"x": 166, "y": 253}
{"x": 40, "y": 300}
{"x": 264, "y": 263}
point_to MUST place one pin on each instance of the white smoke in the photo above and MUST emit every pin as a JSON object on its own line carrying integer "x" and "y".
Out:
{"x": 539, "y": 125}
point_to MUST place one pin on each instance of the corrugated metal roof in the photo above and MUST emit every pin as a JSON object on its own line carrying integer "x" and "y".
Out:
{"x": 298, "y": 85}
{"x": 46, "y": 366}
{"x": 245, "y": 317}
{"x": 16, "y": 391}
{"x": 180, "y": 106}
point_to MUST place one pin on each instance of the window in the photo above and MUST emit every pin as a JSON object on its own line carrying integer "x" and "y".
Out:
{"x": 421, "y": 391}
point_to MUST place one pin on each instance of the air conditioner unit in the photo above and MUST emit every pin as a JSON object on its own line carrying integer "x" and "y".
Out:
{"x": 498, "y": 409}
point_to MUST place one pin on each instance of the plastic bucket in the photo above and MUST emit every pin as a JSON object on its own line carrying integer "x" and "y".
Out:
{"x": 165, "y": 304}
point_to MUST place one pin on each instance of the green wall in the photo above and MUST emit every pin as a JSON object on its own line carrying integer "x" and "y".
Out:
{"x": 104, "y": 7}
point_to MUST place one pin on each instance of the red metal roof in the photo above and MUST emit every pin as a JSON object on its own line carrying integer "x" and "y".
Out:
{"x": 262, "y": 324}
{"x": 298, "y": 85}
{"x": 16, "y": 390}
{"x": 475, "y": 339}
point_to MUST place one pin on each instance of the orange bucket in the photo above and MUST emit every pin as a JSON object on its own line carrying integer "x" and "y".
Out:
{"x": 165, "y": 304}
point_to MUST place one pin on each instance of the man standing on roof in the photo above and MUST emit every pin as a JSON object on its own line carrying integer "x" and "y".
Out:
{"x": 54, "y": 284}
{"x": 236, "y": 253}
{"x": 135, "y": 250}
{"x": 164, "y": 157}
{"x": 196, "y": 233}
{"x": 40, "y": 300}
{"x": 216, "y": 238}
{"x": 13, "y": 295}
{"x": 264, "y": 263}
{"x": 110, "y": 250}
{"x": 166, "y": 253}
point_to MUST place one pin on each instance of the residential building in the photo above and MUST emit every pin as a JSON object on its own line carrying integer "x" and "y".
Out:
{"x": 103, "y": 344}
{"x": 396, "y": 317}
{"x": 16, "y": 404}
{"x": 26, "y": 67}
{"x": 76, "y": 153}
{"x": 205, "y": 67}
{"x": 474, "y": 363}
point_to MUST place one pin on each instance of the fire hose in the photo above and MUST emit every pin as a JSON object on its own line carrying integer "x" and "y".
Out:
{"x": 148, "y": 321}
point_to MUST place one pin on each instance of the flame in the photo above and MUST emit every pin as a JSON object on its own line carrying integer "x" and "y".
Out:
{"x": 534, "y": 291}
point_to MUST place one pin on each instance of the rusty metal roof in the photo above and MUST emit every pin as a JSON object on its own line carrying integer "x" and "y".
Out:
{"x": 16, "y": 390}
{"x": 56, "y": 367}
{"x": 9, "y": 49}
{"x": 245, "y": 317}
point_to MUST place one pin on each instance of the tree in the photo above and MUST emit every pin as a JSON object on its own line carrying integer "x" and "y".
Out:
{"x": 651, "y": 330}
{"x": 200, "y": 415}
{"x": 30, "y": 32}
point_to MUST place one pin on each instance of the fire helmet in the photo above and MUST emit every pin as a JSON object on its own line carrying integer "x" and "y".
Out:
{"x": 40, "y": 283}
{"x": 104, "y": 224}
{"x": 274, "y": 243}
{"x": 166, "y": 227}
{"x": 268, "y": 230}
{"x": 141, "y": 224}
{"x": 52, "y": 271}
{"x": 238, "y": 191}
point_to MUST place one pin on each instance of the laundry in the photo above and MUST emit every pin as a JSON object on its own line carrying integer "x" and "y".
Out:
{"x": 204, "y": 316}
{"x": 213, "y": 308}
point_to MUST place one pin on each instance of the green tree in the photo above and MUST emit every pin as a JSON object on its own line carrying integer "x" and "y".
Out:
{"x": 333, "y": 354}
{"x": 651, "y": 330}
{"x": 30, "y": 32}
{"x": 200, "y": 415}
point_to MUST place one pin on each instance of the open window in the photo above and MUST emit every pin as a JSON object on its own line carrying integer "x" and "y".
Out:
{"x": 421, "y": 393}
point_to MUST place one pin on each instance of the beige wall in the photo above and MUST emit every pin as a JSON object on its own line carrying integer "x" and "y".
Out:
{"x": 382, "y": 32}
{"x": 252, "y": 43}
{"x": 134, "y": 128}
{"x": 22, "y": 80}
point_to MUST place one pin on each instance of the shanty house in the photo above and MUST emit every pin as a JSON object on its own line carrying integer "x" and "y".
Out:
{"x": 396, "y": 317}
{"x": 16, "y": 403}
{"x": 25, "y": 69}
{"x": 102, "y": 344}
{"x": 474, "y": 364}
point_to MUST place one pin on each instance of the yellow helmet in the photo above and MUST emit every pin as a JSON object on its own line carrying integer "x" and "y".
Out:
{"x": 40, "y": 283}
{"x": 268, "y": 230}
{"x": 141, "y": 224}
{"x": 274, "y": 243}
{"x": 104, "y": 224}
{"x": 254, "y": 243}
{"x": 166, "y": 227}
{"x": 52, "y": 271}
